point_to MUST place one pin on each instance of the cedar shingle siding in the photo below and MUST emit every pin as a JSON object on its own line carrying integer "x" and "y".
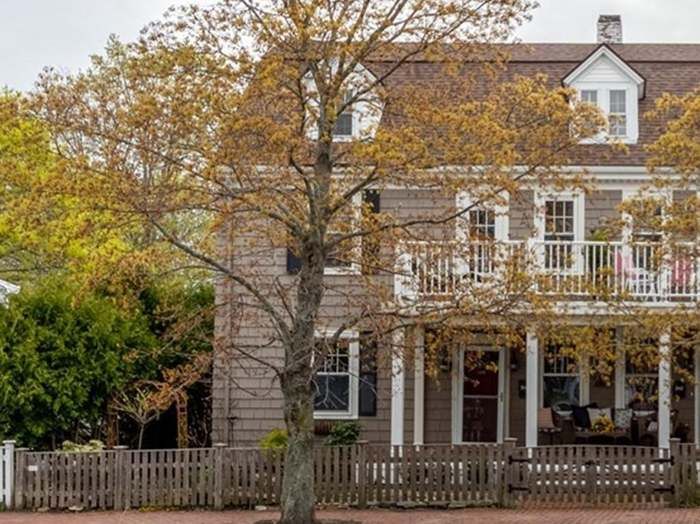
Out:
{"x": 246, "y": 398}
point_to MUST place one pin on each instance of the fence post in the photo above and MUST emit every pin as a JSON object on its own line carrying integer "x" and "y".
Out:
{"x": 8, "y": 472}
{"x": 219, "y": 476}
{"x": 119, "y": 477}
{"x": 362, "y": 474}
{"x": 675, "y": 478}
{"x": 505, "y": 493}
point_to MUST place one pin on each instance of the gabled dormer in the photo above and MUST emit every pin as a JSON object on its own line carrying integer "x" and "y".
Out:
{"x": 358, "y": 120}
{"x": 607, "y": 81}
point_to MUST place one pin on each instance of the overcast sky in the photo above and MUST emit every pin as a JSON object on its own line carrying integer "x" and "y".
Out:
{"x": 63, "y": 33}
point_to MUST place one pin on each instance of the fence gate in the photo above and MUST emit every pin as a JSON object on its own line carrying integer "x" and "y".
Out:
{"x": 591, "y": 475}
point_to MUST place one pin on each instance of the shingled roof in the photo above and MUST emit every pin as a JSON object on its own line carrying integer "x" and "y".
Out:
{"x": 672, "y": 68}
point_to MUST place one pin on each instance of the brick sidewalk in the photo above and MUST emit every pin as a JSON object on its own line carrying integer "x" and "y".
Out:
{"x": 476, "y": 516}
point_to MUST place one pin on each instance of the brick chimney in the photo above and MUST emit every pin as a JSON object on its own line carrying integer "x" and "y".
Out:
{"x": 610, "y": 29}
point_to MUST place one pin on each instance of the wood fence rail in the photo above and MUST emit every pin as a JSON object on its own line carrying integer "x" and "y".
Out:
{"x": 359, "y": 475}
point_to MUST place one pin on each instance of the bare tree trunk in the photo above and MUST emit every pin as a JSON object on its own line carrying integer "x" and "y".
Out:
{"x": 298, "y": 498}
{"x": 142, "y": 428}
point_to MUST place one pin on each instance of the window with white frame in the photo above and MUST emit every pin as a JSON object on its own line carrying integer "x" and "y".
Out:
{"x": 559, "y": 232}
{"x": 482, "y": 224}
{"x": 345, "y": 256}
{"x": 615, "y": 105}
{"x": 589, "y": 96}
{"x": 344, "y": 123}
{"x": 561, "y": 380}
{"x": 617, "y": 116}
{"x": 336, "y": 377}
{"x": 641, "y": 384}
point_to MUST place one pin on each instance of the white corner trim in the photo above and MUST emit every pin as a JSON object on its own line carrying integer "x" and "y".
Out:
{"x": 354, "y": 373}
{"x": 419, "y": 386}
{"x": 397, "y": 389}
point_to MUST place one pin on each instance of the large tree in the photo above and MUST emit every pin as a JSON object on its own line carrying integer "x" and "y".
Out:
{"x": 216, "y": 129}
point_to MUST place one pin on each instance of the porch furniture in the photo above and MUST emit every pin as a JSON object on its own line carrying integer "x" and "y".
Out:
{"x": 546, "y": 425}
{"x": 606, "y": 438}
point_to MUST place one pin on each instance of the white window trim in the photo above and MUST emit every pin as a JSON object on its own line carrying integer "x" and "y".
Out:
{"x": 666, "y": 195}
{"x": 354, "y": 382}
{"x": 579, "y": 199}
{"x": 632, "y": 110}
{"x": 584, "y": 391}
{"x": 463, "y": 200}
{"x": 366, "y": 112}
{"x": 355, "y": 267}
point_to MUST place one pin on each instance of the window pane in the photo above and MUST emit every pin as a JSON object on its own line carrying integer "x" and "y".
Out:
{"x": 618, "y": 101}
{"x": 618, "y": 125}
{"x": 558, "y": 392}
{"x": 641, "y": 392}
{"x": 332, "y": 393}
{"x": 343, "y": 125}
{"x": 590, "y": 96}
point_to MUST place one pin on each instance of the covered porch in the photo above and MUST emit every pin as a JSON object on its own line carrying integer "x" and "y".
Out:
{"x": 510, "y": 395}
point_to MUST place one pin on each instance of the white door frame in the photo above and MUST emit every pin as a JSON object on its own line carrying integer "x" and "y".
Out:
{"x": 458, "y": 392}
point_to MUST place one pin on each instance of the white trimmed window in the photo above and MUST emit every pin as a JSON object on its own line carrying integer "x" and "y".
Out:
{"x": 561, "y": 380}
{"x": 641, "y": 386}
{"x": 336, "y": 378}
{"x": 344, "y": 125}
{"x": 346, "y": 257}
{"x": 617, "y": 117}
{"x": 482, "y": 224}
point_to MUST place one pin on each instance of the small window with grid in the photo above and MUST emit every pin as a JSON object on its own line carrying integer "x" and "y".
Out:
{"x": 344, "y": 123}
{"x": 332, "y": 379}
{"x": 561, "y": 381}
{"x": 617, "y": 116}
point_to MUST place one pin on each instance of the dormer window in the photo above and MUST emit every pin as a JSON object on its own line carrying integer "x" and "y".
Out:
{"x": 344, "y": 123}
{"x": 617, "y": 116}
{"x": 605, "y": 80}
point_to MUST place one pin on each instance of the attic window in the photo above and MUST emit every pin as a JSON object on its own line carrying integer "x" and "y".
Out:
{"x": 618, "y": 113}
{"x": 344, "y": 124}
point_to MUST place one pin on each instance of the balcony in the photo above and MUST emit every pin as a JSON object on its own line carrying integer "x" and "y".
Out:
{"x": 638, "y": 272}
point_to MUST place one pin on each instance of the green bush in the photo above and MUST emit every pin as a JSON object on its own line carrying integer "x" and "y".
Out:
{"x": 344, "y": 434}
{"x": 275, "y": 440}
{"x": 72, "y": 447}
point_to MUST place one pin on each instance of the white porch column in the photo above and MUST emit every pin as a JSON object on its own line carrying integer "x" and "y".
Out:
{"x": 696, "y": 411}
{"x": 419, "y": 385}
{"x": 619, "y": 370}
{"x": 531, "y": 390}
{"x": 397, "y": 389}
{"x": 664, "y": 414}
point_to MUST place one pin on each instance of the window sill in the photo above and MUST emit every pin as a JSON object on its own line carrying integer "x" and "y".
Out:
{"x": 340, "y": 271}
{"x": 607, "y": 140}
{"x": 334, "y": 415}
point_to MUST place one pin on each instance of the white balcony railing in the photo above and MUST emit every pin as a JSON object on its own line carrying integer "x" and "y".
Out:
{"x": 587, "y": 270}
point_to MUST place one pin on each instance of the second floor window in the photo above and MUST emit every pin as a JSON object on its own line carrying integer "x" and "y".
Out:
{"x": 482, "y": 224}
{"x": 344, "y": 124}
{"x": 560, "y": 229}
{"x": 618, "y": 113}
